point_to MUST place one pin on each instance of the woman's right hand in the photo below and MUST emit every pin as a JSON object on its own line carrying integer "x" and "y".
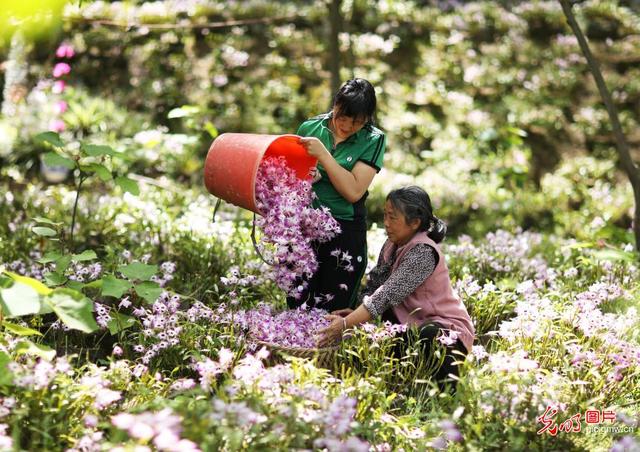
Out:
{"x": 342, "y": 312}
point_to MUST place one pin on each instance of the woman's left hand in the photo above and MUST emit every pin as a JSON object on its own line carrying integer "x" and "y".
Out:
{"x": 332, "y": 333}
{"x": 314, "y": 147}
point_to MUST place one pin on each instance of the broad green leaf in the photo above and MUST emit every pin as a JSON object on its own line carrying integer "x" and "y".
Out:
{"x": 46, "y": 221}
{"x": 21, "y": 299}
{"x": 54, "y": 278}
{"x": 29, "y": 348}
{"x": 86, "y": 255}
{"x": 55, "y": 159}
{"x": 613, "y": 255}
{"x": 114, "y": 287}
{"x": 97, "y": 284}
{"x": 20, "y": 330}
{"x": 74, "y": 285}
{"x": 138, "y": 270}
{"x": 95, "y": 150}
{"x": 73, "y": 308}
{"x": 51, "y": 256}
{"x": 62, "y": 263}
{"x": 101, "y": 170}
{"x": 579, "y": 245}
{"x": 51, "y": 138}
{"x": 44, "y": 231}
{"x": 128, "y": 185}
{"x": 149, "y": 290}
{"x": 119, "y": 322}
{"x": 6, "y": 378}
{"x": 5, "y": 281}
{"x": 37, "y": 285}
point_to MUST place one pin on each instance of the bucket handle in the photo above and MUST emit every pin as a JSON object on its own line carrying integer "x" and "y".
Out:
{"x": 255, "y": 243}
{"x": 253, "y": 232}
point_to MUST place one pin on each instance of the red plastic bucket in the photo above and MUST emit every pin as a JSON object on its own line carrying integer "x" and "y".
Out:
{"x": 234, "y": 158}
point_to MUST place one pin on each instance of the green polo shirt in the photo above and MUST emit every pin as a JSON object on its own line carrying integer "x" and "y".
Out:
{"x": 367, "y": 145}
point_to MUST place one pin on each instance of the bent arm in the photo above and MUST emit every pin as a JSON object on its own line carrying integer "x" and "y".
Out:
{"x": 417, "y": 265}
{"x": 352, "y": 185}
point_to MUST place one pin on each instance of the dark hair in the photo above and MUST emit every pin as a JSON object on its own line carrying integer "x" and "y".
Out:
{"x": 356, "y": 99}
{"x": 414, "y": 203}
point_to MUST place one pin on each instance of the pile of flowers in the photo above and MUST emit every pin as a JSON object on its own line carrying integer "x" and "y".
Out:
{"x": 292, "y": 328}
{"x": 290, "y": 224}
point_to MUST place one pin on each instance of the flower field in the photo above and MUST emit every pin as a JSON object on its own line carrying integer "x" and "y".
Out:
{"x": 169, "y": 363}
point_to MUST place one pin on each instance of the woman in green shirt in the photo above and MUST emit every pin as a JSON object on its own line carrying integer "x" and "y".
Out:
{"x": 350, "y": 151}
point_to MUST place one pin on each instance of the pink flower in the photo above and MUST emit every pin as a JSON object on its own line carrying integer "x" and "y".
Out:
{"x": 65, "y": 51}
{"x": 448, "y": 339}
{"x": 58, "y": 87}
{"x": 117, "y": 350}
{"x": 57, "y": 125}
{"x": 60, "y": 107}
{"x": 61, "y": 69}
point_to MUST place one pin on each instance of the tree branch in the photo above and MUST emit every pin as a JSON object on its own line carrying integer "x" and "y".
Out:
{"x": 630, "y": 168}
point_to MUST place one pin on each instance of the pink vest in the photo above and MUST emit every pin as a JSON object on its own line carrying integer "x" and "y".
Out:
{"x": 434, "y": 299}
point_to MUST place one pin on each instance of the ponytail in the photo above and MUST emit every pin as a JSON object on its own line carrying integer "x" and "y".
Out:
{"x": 438, "y": 230}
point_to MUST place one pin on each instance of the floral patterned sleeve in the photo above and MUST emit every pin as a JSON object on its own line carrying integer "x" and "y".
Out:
{"x": 375, "y": 278}
{"x": 416, "y": 266}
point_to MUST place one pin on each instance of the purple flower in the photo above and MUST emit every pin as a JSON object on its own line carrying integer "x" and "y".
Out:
{"x": 289, "y": 224}
{"x": 61, "y": 69}
{"x": 65, "y": 51}
{"x": 57, "y": 125}
{"x": 448, "y": 339}
{"x": 58, "y": 87}
{"x": 60, "y": 107}
{"x": 291, "y": 328}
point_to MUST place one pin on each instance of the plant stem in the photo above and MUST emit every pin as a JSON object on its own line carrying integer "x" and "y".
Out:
{"x": 75, "y": 209}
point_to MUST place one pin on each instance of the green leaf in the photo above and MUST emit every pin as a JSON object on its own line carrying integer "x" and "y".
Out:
{"x": 34, "y": 283}
{"x": 21, "y": 299}
{"x": 613, "y": 255}
{"x": 97, "y": 284}
{"x": 73, "y": 308}
{"x": 114, "y": 287}
{"x": 75, "y": 285}
{"x": 119, "y": 322}
{"x": 102, "y": 171}
{"x": 86, "y": 255}
{"x": 46, "y": 221}
{"x": 183, "y": 112}
{"x": 51, "y": 256}
{"x": 62, "y": 264}
{"x": 149, "y": 290}
{"x": 95, "y": 150}
{"x": 29, "y": 348}
{"x": 54, "y": 159}
{"x": 6, "y": 378}
{"x": 44, "y": 231}
{"x": 51, "y": 138}
{"x": 20, "y": 330}
{"x": 54, "y": 278}
{"x": 138, "y": 270}
{"x": 211, "y": 129}
{"x": 128, "y": 185}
